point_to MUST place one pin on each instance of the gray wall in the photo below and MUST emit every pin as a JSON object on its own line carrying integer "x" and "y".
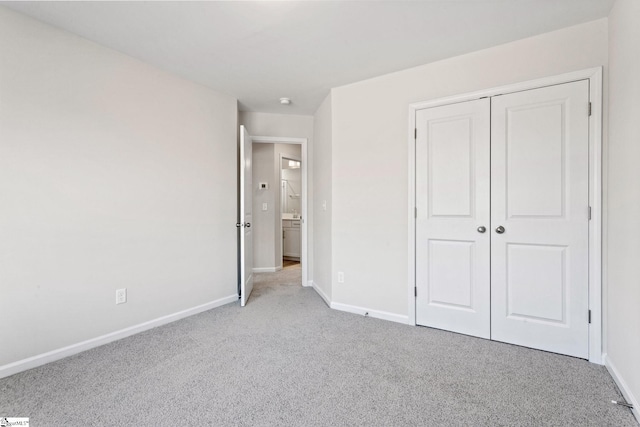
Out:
{"x": 322, "y": 195}
{"x": 113, "y": 174}
{"x": 263, "y": 221}
{"x": 623, "y": 217}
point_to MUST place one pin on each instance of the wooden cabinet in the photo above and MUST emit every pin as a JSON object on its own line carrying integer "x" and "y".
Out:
{"x": 291, "y": 238}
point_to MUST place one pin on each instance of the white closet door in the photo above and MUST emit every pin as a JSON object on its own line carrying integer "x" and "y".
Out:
{"x": 452, "y": 198}
{"x": 539, "y": 195}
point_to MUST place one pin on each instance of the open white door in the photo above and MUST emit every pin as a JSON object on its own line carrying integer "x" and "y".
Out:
{"x": 246, "y": 205}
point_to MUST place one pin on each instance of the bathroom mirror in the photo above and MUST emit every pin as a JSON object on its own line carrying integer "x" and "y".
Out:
{"x": 290, "y": 186}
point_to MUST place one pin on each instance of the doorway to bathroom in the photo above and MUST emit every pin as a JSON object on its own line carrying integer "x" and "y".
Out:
{"x": 290, "y": 208}
{"x": 280, "y": 209}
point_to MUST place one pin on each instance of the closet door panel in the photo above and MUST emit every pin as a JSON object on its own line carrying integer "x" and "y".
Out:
{"x": 539, "y": 197}
{"x": 452, "y": 198}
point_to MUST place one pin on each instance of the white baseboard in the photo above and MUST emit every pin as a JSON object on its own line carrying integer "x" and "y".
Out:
{"x": 61, "y": 353}
{"x": 267, "y": 269}
{"x": 308, "y": 284}
{"x": 384, "y": 315}
{"x": 320, "y": 292}
{"x": 622, "y": 385}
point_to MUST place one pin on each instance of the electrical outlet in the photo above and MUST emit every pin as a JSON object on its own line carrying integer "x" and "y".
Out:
{"x": 264, "y": 206}
{"x": 121, "y": 296}
{"x": 324, "y": 205}
{"x": 340, "y": 277}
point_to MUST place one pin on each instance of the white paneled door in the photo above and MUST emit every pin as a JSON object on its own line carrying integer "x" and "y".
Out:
{"x": 246, "y": 204}
{"x": 540, "y": 218}
{"x": 452, "y": 222}
{"x": 502, "y": 237}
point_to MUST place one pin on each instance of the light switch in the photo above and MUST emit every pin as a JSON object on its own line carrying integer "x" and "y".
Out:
{"x": 264, "y": 206}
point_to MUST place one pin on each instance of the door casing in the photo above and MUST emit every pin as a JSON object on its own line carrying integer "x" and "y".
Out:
{"x": 594, "y": 75}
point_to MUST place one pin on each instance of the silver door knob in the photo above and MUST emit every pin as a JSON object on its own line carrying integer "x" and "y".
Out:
{"x": 248, "y": 225}
{"x": 482, "y": 229}
{"x": 500, "y": 229}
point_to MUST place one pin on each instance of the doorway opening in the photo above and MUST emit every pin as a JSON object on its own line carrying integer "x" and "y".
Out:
{"x": 290, "y": 209}
{"x": 279, "y": 169}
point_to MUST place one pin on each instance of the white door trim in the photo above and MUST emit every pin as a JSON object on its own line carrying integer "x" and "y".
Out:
{"x": 304, "y": 259}
{"x": 594, "y": 75}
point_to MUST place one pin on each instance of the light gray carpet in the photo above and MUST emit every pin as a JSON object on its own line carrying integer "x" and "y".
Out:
{"x": 286, "y": 359}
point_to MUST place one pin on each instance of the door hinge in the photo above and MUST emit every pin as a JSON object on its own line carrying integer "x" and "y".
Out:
{"x": 589, "y": 213}
{"x": 415, "y": 133}
{"x": 415, "y": 291}
{"x": 589, "y": 109}
{"x": 589, "y": 316}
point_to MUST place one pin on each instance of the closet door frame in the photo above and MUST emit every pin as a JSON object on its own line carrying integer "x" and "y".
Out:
{"x": 594, "y": 76}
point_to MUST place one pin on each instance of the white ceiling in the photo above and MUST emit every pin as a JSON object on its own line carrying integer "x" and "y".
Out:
{"x": 261, "y": 51}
